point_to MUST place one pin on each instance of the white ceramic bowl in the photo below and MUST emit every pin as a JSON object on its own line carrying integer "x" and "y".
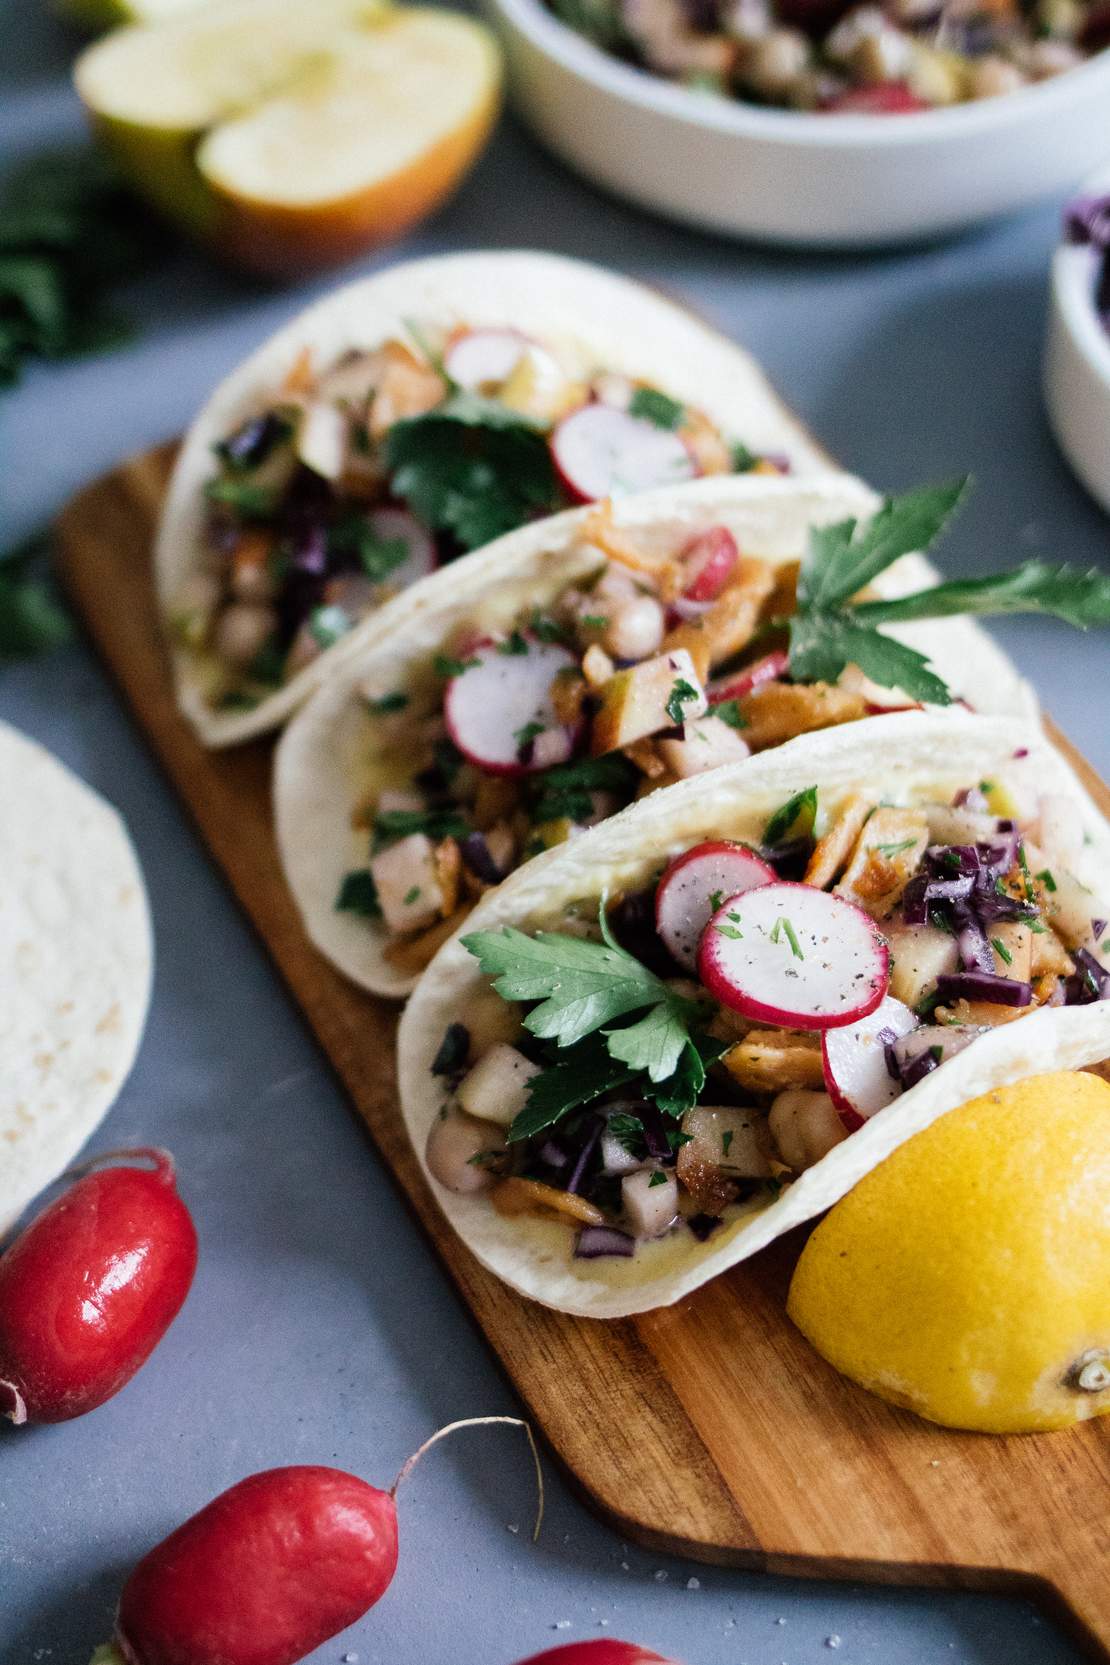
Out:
{"x": 1077, "y": 363}
{"x": 790, "y": 177}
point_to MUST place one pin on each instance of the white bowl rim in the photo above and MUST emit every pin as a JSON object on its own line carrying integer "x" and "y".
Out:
{"x": 1073, "y": 290}
{"x": 792, "y": 127}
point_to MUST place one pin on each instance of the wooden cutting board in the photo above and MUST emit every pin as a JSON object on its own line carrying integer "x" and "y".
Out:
{"x": 709, "y": 1429}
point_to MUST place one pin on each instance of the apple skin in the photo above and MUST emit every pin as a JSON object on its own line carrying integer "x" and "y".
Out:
{"x": 273, "y": 241}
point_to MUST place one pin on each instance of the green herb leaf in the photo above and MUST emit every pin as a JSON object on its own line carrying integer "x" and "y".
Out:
{"x": 353, "y": 534}
{"x": 392, "y": 824}
{"x": 524, "y": 736}
{"x": 327, "y": 625}
{"x": 359, "y": 894}
{"x": 251, "y": 501}
{"x": 444, "y": 665}
{"x": 566, "y": 791}
{"x": 580, "y": 985}
{"x": 653, "y": 406}
{"x": 387, "y": 703}
{"x": 657, "y": 1178}
{"x": 681, "y": 1092}
{"x": 513, "y": 645}
{"x": 729, "y": 712}
{"x": 889, "y": 850}
{"x": 583, "y": 1073}
{"x": 472, "y": 467}
{"x": 656, "y": 1042}
{"x": 681, "y": 694}
{"x": 1064, "y": 592}
{"x": 795, "y": 819}
{"x": 822, "y": 644}
{"x": 844, "y": 558}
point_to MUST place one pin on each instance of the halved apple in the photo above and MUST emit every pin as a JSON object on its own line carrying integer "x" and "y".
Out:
{"x": 293, "y": 136}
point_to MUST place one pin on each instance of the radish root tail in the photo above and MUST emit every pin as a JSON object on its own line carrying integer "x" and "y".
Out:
{"x": 480, "y": 1422}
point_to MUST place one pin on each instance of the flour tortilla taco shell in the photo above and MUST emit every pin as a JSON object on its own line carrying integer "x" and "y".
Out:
{"x": 76, "y": 954}
{"x": 592, "y": 321}
{"x": 336, "y": 751}
{"x": 907, "y": 760}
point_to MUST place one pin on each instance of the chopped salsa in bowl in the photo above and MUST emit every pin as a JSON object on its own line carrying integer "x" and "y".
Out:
{"x": 360, "y": 477}
{"x": 829, "y": 56}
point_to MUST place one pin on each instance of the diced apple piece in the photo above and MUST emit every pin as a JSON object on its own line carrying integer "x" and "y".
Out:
{"x": 650, "y": 1199}
{"x": 1068, "y": 905}
{"x": 496, "y": 1089}
{"x": 953, "y": 824}
{"x": 886, "y": 856}
{"x": 707, "y": 743}
{"x": 407, "y": 882}
{"x": 634, "y": 702}
{"x": 805, "y": 1127}
{"x": 919, "y": 954}
{"x": 733, "y": 1140}
{"x": 1012, "y": 943}
{"x": 322, "y": 438}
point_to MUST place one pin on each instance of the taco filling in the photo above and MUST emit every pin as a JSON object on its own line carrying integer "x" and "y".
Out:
{"x": 655, "y": 1067}
{"x": 364, "y": 475}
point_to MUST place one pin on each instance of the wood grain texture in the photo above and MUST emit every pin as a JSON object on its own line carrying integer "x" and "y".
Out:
{"x": 710, "y": 1429}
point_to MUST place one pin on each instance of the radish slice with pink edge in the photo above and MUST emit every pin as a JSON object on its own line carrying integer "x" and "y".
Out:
{"x": 601, "y": 451}
{"x": 794, "y": 955}
{"x": 499, "y": 711}
{"x": 854, "y": 1060}
{"x": 484, "y": 358}
{"x": 395, "y": 525}
{"x": 767, "y": 669}
{"x": 695, "y": 884}
{"x": 709, "y": 560}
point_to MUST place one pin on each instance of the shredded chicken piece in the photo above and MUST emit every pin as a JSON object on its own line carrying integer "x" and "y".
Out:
{"x": 528, "y": 1196}
{"x": 778, "y": 711}
{"x": 984, "y": 1014}
{"x": 700, "y": 437}
{"x": 644, "y": 755}
{"x": 568, "y": 691}
{"x": 412, "y": 954}
{"x": 770, "y": 1060}
{"x": 885, "y": 858}
{"x": 448, "y": 868}
{"x": 299, "y": 378}
{"x": 730, "y": 623}
{"x": 665, "y": 573}
{"x": 405, "y": 386}
{"x": 831, "y": 854}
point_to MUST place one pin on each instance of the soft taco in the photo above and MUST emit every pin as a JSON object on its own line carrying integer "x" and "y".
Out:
{"x": 413, "y": 416}
{"x": 574, "y": 667}
{"x": 658, "y": 1047}
{"x": 75, "y": 959}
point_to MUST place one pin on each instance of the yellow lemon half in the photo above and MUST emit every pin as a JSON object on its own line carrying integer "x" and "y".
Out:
{"x": 967, "y": 1277}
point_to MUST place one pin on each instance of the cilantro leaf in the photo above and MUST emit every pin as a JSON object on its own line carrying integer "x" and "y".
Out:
{"x": 359, "y": 894}
{"x": 580, "y": 985}
{"x": 795, "y": 818}
{"x": 681, "y": 694}
{"x": 391, "y": 824}
{"x": 472, "y": 467}
{"x": 729, "y": 712}
{"x": 31, "y": 619}
{"x": 842, "y": 559}
{"x": 656, "y": 1041}
{"x": 682, "y": 1090}
{"x": 584, "y": 1072}
{"x": 656, "y": 407}
{"x": 566, "y": 791}
{"x": 1081, "y": 598}
{"x": 378, "y": 557}
{"x": 822, "y": 644}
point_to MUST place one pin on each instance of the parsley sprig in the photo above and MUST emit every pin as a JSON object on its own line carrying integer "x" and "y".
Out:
{"x": 829, "y": 631}
{"x": 579, "y": 993}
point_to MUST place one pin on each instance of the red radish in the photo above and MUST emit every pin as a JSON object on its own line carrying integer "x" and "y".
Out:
{"x": 601, "y": 451}
{"x": 694, "y": 886}
{"x": 709, "y": 560}
{"x": 90, "y": 1288}
{"x": 767, "y": 669}
{"x": 794, "y": 955}
{"x": 604, "y": 1651}
{"x": 395, "y": 525}
{"x": 484, "y": 358}
{"x": 271, "y": 1568}
{"x": 893, "y": 98}
{"x": 499, "y": 711}
{"x": 854, "y": 1060}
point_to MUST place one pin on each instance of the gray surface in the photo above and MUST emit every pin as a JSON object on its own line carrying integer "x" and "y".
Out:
{"x": 320, "y": 1327}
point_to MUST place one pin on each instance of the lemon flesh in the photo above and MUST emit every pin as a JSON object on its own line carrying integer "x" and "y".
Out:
{"x": 967, "y": 1278}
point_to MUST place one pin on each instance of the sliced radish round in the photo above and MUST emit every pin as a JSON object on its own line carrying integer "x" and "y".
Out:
{"x": 794, "y": 955}
{"x": 694, "y": 886}
{"x": 709, "y": 561}
{"x": 767, "y": 669}
{"x": 499, "y": 711}
{"x": 603, "y": 452}
{"x": 854, "y": 1061}
{"x": 484, "y": 358}
{"x": 394, "y": 525}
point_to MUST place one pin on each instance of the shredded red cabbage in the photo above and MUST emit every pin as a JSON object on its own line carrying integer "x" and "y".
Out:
{"x": 1089, "y": 982}
{"x": 595, "y": 1242}
{"x": 982, "y": 985}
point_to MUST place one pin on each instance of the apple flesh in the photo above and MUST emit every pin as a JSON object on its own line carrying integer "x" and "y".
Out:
{"x": 290, "y": 138}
